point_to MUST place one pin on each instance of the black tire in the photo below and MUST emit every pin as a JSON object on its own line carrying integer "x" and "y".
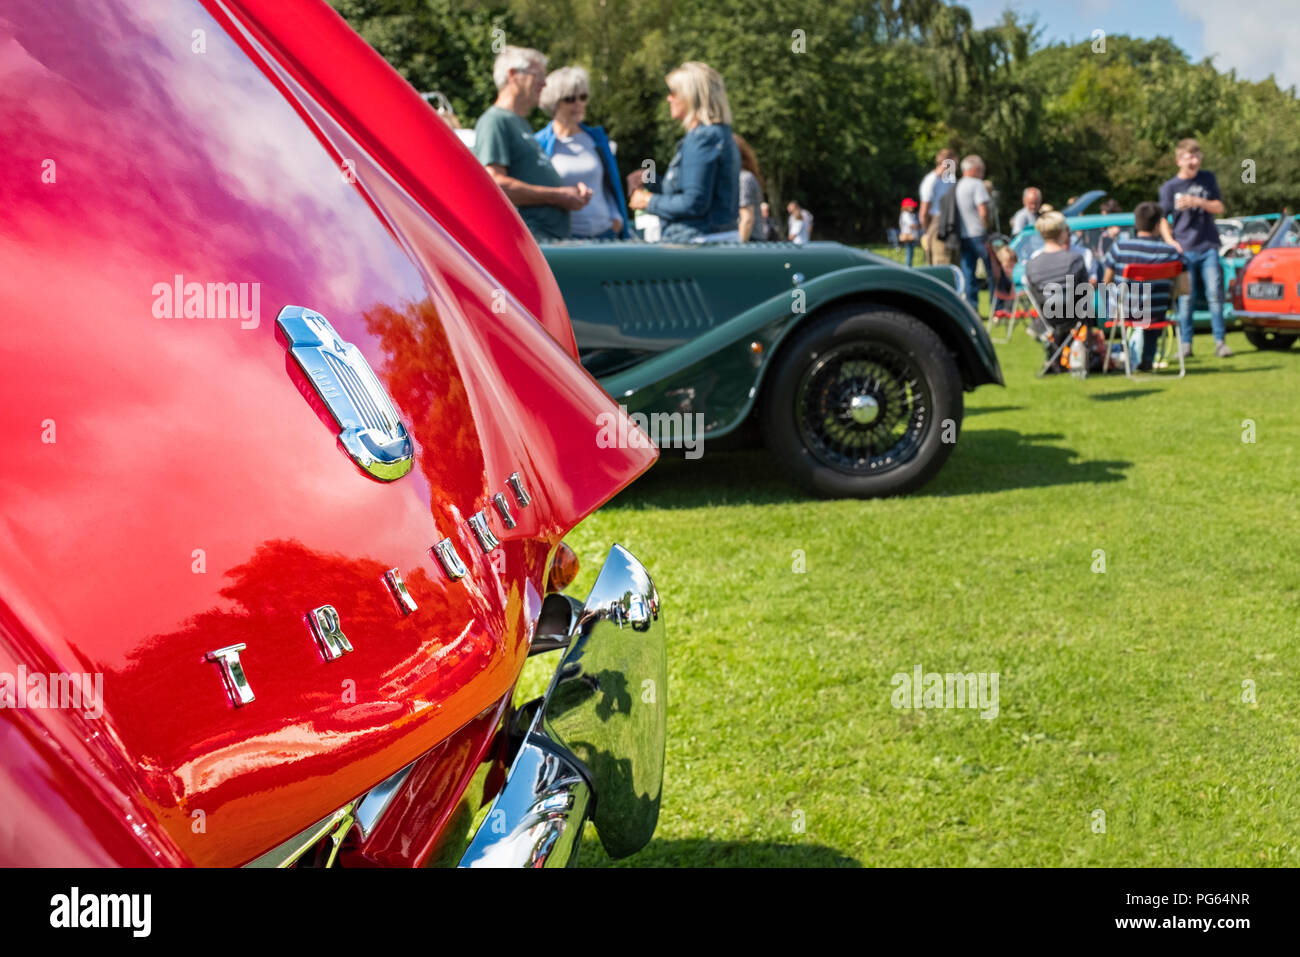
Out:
{"x": 859, "y": 354}
{"x": 1270, "y": 341}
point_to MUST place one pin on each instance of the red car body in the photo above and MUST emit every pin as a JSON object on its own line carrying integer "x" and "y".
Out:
{"x": 1266, "y": 293}
{"x": 170, "y": 483}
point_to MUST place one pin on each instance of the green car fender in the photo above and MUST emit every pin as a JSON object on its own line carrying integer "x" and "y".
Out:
{"x": 718, "y": 374}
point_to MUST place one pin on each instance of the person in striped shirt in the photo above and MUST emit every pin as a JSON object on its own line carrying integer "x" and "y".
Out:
{"x": 1146, "y": 248}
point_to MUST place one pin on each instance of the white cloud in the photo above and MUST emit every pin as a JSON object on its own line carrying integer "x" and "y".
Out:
{"x": 1255, "y": 38}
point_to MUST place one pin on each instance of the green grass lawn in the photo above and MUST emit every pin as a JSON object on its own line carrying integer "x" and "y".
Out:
{"x": 1120, "y": 691}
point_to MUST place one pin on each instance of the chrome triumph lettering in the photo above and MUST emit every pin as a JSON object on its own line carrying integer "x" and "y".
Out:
{"x": 328, "y": 631}
{"x": 324, "y": 623}
{"x": 405, "y": 603}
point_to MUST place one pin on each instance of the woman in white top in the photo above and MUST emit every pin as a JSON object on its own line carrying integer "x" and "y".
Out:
{"x": 581, "y": 154}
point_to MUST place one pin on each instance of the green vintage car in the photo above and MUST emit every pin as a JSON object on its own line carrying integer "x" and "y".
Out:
{"x": 850, "y": 367}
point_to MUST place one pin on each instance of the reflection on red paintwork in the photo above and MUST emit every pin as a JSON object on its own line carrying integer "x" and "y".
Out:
{"x": 420, "y": 373}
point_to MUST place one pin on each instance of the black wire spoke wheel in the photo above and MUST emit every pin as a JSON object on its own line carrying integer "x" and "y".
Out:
{"x": 863, "y": 408}
{"x": 864, "y": 400}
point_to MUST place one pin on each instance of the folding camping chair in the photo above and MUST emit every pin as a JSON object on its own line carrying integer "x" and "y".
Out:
{"x": 1003, "y": 309}
{"x": 1122, "y": 321}
{"x": 1032, "y": 295}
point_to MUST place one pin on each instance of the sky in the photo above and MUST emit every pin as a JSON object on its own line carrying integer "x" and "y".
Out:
{"x": 1255, "y": 37}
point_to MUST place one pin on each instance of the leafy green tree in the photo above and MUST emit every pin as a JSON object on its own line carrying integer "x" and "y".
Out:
{"x": 435, "y": 44}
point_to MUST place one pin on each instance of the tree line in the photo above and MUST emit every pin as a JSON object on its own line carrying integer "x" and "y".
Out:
{"x": 847, "y": 101}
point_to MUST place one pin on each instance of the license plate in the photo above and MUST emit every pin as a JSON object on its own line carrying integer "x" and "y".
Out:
{"x": 1264, "y": 290}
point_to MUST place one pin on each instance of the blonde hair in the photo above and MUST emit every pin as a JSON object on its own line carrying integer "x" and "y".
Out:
{"x": 566, "y": 81}
{"x": 1051, "y": 226}
{"x": 705, "y": 94}
{"x": 1007, "y": 256}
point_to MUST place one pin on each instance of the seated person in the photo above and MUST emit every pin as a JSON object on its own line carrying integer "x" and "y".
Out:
{"x": 1078, "y": 244}
{"x": 1004, "y": 294}
{"x": 1145, "y": 248}
{"x": 1057, "y": 276}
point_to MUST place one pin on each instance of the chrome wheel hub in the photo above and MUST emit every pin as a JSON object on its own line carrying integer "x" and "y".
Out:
{"x": 864, "y": 409}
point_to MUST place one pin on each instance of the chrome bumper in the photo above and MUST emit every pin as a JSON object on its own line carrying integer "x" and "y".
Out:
{"x": 594, "y": 747}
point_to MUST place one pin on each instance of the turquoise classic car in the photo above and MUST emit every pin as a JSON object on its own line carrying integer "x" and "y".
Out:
{"x": 849, "y": 367}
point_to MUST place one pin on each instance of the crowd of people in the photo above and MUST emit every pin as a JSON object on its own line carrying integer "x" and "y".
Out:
{"x": 953, "y": 226}
{"x": 1179, "y": 227}
{"x": 565, "y": 183}
{"x": 564, "y": 180}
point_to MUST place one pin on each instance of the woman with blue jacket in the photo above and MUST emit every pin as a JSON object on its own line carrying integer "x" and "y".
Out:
{"x": 699, "y": 197}
{"x": 581, "y": 154}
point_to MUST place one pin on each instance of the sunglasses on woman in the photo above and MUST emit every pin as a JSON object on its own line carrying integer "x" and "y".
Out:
{"x": 576, "y": 98}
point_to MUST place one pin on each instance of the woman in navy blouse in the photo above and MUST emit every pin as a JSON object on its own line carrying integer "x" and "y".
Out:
{"x": 698, "y": 197}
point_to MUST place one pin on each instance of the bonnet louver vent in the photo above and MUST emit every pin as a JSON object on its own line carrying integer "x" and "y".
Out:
{"x": 658, "y": 306}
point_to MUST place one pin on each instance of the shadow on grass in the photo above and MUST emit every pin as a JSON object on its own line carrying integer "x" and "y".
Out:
{"x": 1223, "y": 366}
{"x": 991, "y": 408}
{"x": 1124, "y": 394}
{"x": 989, "y": 460}
{"x": 703, "y": 853}
{"x": 741, "y": 477}
{"x": 998, "y": 459}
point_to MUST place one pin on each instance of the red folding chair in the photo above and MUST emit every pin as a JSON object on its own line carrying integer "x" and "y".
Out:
{"x": 1002, "y": 309}
{"x": 1001, "y": 305}
{"x": 1123, "y": 322}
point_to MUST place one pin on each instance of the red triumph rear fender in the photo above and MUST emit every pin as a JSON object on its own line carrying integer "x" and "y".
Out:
{"x": 388, "y": 119}
{"x": 177, "y": 433}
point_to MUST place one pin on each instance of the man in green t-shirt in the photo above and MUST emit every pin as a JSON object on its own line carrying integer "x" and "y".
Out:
{"x": 504, "y": 143}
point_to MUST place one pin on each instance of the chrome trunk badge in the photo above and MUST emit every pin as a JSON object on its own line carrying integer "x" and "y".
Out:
{"x": 369, "y": 427}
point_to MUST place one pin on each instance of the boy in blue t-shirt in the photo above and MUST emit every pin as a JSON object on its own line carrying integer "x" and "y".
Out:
{"x": 1193, "y": 199}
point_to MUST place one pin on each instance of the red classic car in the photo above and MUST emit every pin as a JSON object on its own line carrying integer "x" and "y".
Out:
{"x": 1266, "y": 293}
{"x": 292, "y": 432}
